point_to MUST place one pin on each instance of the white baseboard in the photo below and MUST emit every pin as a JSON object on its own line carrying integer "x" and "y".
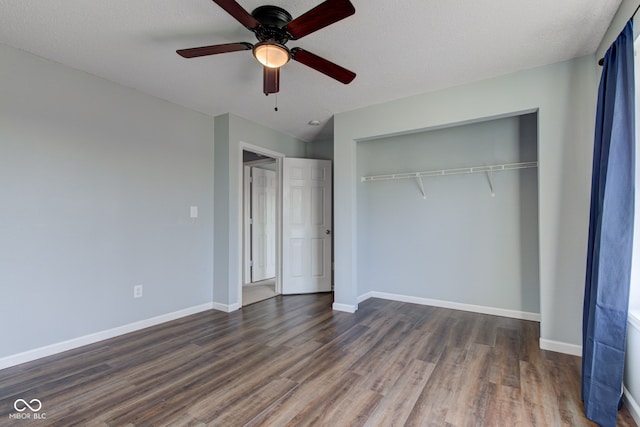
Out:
{"x": 453, "y": 305}
{"x": 51, "y": 349}
{"x": 561, "y": 347}
{"x": 344, "y": 307}
{"x": 365, "y": 297}
{"x": 227, "y": 308}
{"x": 556, "y": 346}
{"x": 632, "y": 405}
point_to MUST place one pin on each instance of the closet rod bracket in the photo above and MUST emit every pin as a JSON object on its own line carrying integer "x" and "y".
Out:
{"x": 490, "y": 178}
{"x": 421, "y": 186}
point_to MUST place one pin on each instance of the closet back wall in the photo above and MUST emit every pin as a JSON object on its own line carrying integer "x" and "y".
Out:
{"x": 460, "y": 244}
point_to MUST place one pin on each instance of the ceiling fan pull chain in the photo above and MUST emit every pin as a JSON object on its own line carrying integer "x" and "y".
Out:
{"x": 276, "y": 107}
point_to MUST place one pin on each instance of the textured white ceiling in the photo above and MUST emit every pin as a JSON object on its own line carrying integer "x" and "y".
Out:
{"x": 397, "y": 49}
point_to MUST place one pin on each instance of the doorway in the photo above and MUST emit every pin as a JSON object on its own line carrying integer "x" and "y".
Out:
{"x": 260, "y": 251}
{"x": 303, "y": 235}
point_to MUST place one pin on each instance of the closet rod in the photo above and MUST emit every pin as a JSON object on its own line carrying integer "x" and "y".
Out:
{"x": 445, "y": 172}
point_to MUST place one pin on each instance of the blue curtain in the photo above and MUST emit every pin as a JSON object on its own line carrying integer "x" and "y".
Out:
{"x": 606, "y": 296}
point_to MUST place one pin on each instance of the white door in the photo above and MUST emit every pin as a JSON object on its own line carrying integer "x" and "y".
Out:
{"x": 263, "y": 230}
{"x": 306, "y": 226}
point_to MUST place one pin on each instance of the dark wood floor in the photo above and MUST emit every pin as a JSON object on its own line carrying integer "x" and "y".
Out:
{"x": 293, "y": 361}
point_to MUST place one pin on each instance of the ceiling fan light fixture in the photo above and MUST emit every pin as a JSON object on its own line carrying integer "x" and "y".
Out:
{"x": 271, "y": 54}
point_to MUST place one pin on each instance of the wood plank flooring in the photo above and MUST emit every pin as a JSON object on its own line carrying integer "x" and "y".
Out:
{"x": 292, "y": 361}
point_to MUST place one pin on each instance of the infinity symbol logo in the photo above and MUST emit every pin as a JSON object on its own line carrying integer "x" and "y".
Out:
{"x": 21, "y": 405}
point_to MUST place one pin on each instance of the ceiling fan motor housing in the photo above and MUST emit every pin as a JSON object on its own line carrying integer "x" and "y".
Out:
{"x": 272, "y": 20}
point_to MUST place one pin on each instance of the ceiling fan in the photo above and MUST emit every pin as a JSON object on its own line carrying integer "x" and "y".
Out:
{"x": 274, "y": 27}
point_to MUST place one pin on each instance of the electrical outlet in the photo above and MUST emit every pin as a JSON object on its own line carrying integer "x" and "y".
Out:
{"x": 137, "y": 291}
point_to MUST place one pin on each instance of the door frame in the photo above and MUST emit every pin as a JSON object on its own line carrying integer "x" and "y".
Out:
{"x": 241, "y": 229}
{"x": 246, "y": 214}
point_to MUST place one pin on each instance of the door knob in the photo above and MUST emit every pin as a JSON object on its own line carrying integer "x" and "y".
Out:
{"x": 327, "y": 232}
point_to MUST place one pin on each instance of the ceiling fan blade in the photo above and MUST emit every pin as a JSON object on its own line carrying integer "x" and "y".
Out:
{"x": 242, "y": 16}
{"x": 320, "y": 64}
{"x": 271, "y": 80}
{"x": 215, "y": 49}
{"x": 324, "y": 14}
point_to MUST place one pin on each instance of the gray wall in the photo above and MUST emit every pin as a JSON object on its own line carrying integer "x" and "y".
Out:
{"x": 564, "y": 94}
{"x": 96, "y": 183}
{"x": 460, "y": 244}
{"x": 322, "y": 149}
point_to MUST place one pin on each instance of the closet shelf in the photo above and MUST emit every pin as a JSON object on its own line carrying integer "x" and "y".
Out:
{"x": 445, "y": 172}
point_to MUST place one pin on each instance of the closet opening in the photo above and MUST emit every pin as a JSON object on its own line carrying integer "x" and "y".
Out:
{"x": 449, "y": 216}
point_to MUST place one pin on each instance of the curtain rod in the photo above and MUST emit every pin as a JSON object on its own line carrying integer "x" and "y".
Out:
{"x": 601, "y": 61}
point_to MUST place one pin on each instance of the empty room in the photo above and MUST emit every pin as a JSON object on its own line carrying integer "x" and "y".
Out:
{"x": 340, "y": 213}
